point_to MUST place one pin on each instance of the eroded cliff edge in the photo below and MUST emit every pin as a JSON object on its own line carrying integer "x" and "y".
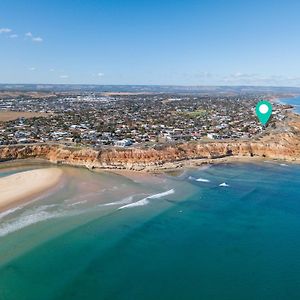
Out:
{"x": 282, "y": 143}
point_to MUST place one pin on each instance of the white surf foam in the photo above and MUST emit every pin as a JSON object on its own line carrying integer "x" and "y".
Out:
{"x": 142, "y": 202}
{"x": 202, "y": 180}
{"x": 145, "y": 201}
{"x": 26, "y": 220}
{"x": 45, "y": 207}
{"x": 284, "y": 165}
{"x": 12, "y": 210}
{"x": 123, "y": 201}
{"x": 156, "y": 196}
{"x": 224, "y": 184}
{"x": 198, "y": 179}
{"x": 78, "y": 203}
{"x": 9, "y": 211}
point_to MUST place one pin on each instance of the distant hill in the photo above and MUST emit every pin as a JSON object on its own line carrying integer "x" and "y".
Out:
{"x": 149, "y": 88}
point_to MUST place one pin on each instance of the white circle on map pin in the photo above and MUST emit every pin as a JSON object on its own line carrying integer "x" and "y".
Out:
{"x": 263, "y": 108}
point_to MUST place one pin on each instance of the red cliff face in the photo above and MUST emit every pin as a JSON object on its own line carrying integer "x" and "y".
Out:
{"x": 284, "y": 145}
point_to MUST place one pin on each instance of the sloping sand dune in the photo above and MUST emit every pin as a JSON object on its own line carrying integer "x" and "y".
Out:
{"x": 26, "y": 185}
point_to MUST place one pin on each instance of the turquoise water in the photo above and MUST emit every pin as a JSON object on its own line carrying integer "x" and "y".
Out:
{"x": 292, "y": 101}
{"x": 189, "y": 240}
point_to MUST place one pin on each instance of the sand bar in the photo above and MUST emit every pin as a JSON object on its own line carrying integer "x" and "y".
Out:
{"x": 26, "y": 185}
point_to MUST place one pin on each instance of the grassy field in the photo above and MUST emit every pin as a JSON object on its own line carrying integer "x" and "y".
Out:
{"x": 13, "y": 115}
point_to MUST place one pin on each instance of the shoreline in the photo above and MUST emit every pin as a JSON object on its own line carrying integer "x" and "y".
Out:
{"x": 279, "y": 144}
{"x": 293, "y": 108}
{"x": 196, "y": 163}
{"x": 20, "y": 187}
{"x": 151, "y": 169}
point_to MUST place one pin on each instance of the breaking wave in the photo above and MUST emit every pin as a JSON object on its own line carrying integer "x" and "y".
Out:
{"x": 27, "y": 220}
{"x": 156, "y": 196}
{"x": 199, "y": 179}
{"x": 202, "y": 180}
{"x": 224, "y": 184}
{"x": 9, "y": 211}
{"x": 33, "y": 216}
{"x": 78, "y": 203}
{"x": 142, "y": 202}
{"x": 123, "y": 201}
{"x": 145, "y": 201}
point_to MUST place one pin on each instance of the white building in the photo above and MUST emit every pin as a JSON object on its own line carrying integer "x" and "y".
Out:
{"x": 123, "y": 143}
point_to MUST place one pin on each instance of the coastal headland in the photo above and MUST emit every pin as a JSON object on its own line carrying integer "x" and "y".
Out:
{"x": 280, "y": 144}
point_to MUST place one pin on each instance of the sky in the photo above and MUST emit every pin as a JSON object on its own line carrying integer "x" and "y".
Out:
{"x": 168, "y": 42}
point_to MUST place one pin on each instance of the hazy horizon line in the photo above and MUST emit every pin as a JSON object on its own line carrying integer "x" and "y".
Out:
{"x": 164, "y": 85}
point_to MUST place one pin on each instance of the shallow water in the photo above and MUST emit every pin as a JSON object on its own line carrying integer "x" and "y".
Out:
{"x": 189, "y": 238}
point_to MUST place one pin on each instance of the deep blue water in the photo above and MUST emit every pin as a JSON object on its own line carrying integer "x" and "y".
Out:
{"x": 241, "y": 241}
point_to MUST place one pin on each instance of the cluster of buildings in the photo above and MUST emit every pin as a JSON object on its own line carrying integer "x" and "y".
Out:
{"x": 132, "y": 119}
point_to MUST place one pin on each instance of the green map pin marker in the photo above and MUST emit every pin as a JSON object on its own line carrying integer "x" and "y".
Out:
{"x": 264, "y": 111}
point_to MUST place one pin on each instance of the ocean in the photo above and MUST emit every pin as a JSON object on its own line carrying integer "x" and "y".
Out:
{"x": 292, "y": 101}
{"x": 228, "y": 231}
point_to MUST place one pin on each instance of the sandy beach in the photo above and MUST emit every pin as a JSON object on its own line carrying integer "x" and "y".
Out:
{"x": 26, "y": 185}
